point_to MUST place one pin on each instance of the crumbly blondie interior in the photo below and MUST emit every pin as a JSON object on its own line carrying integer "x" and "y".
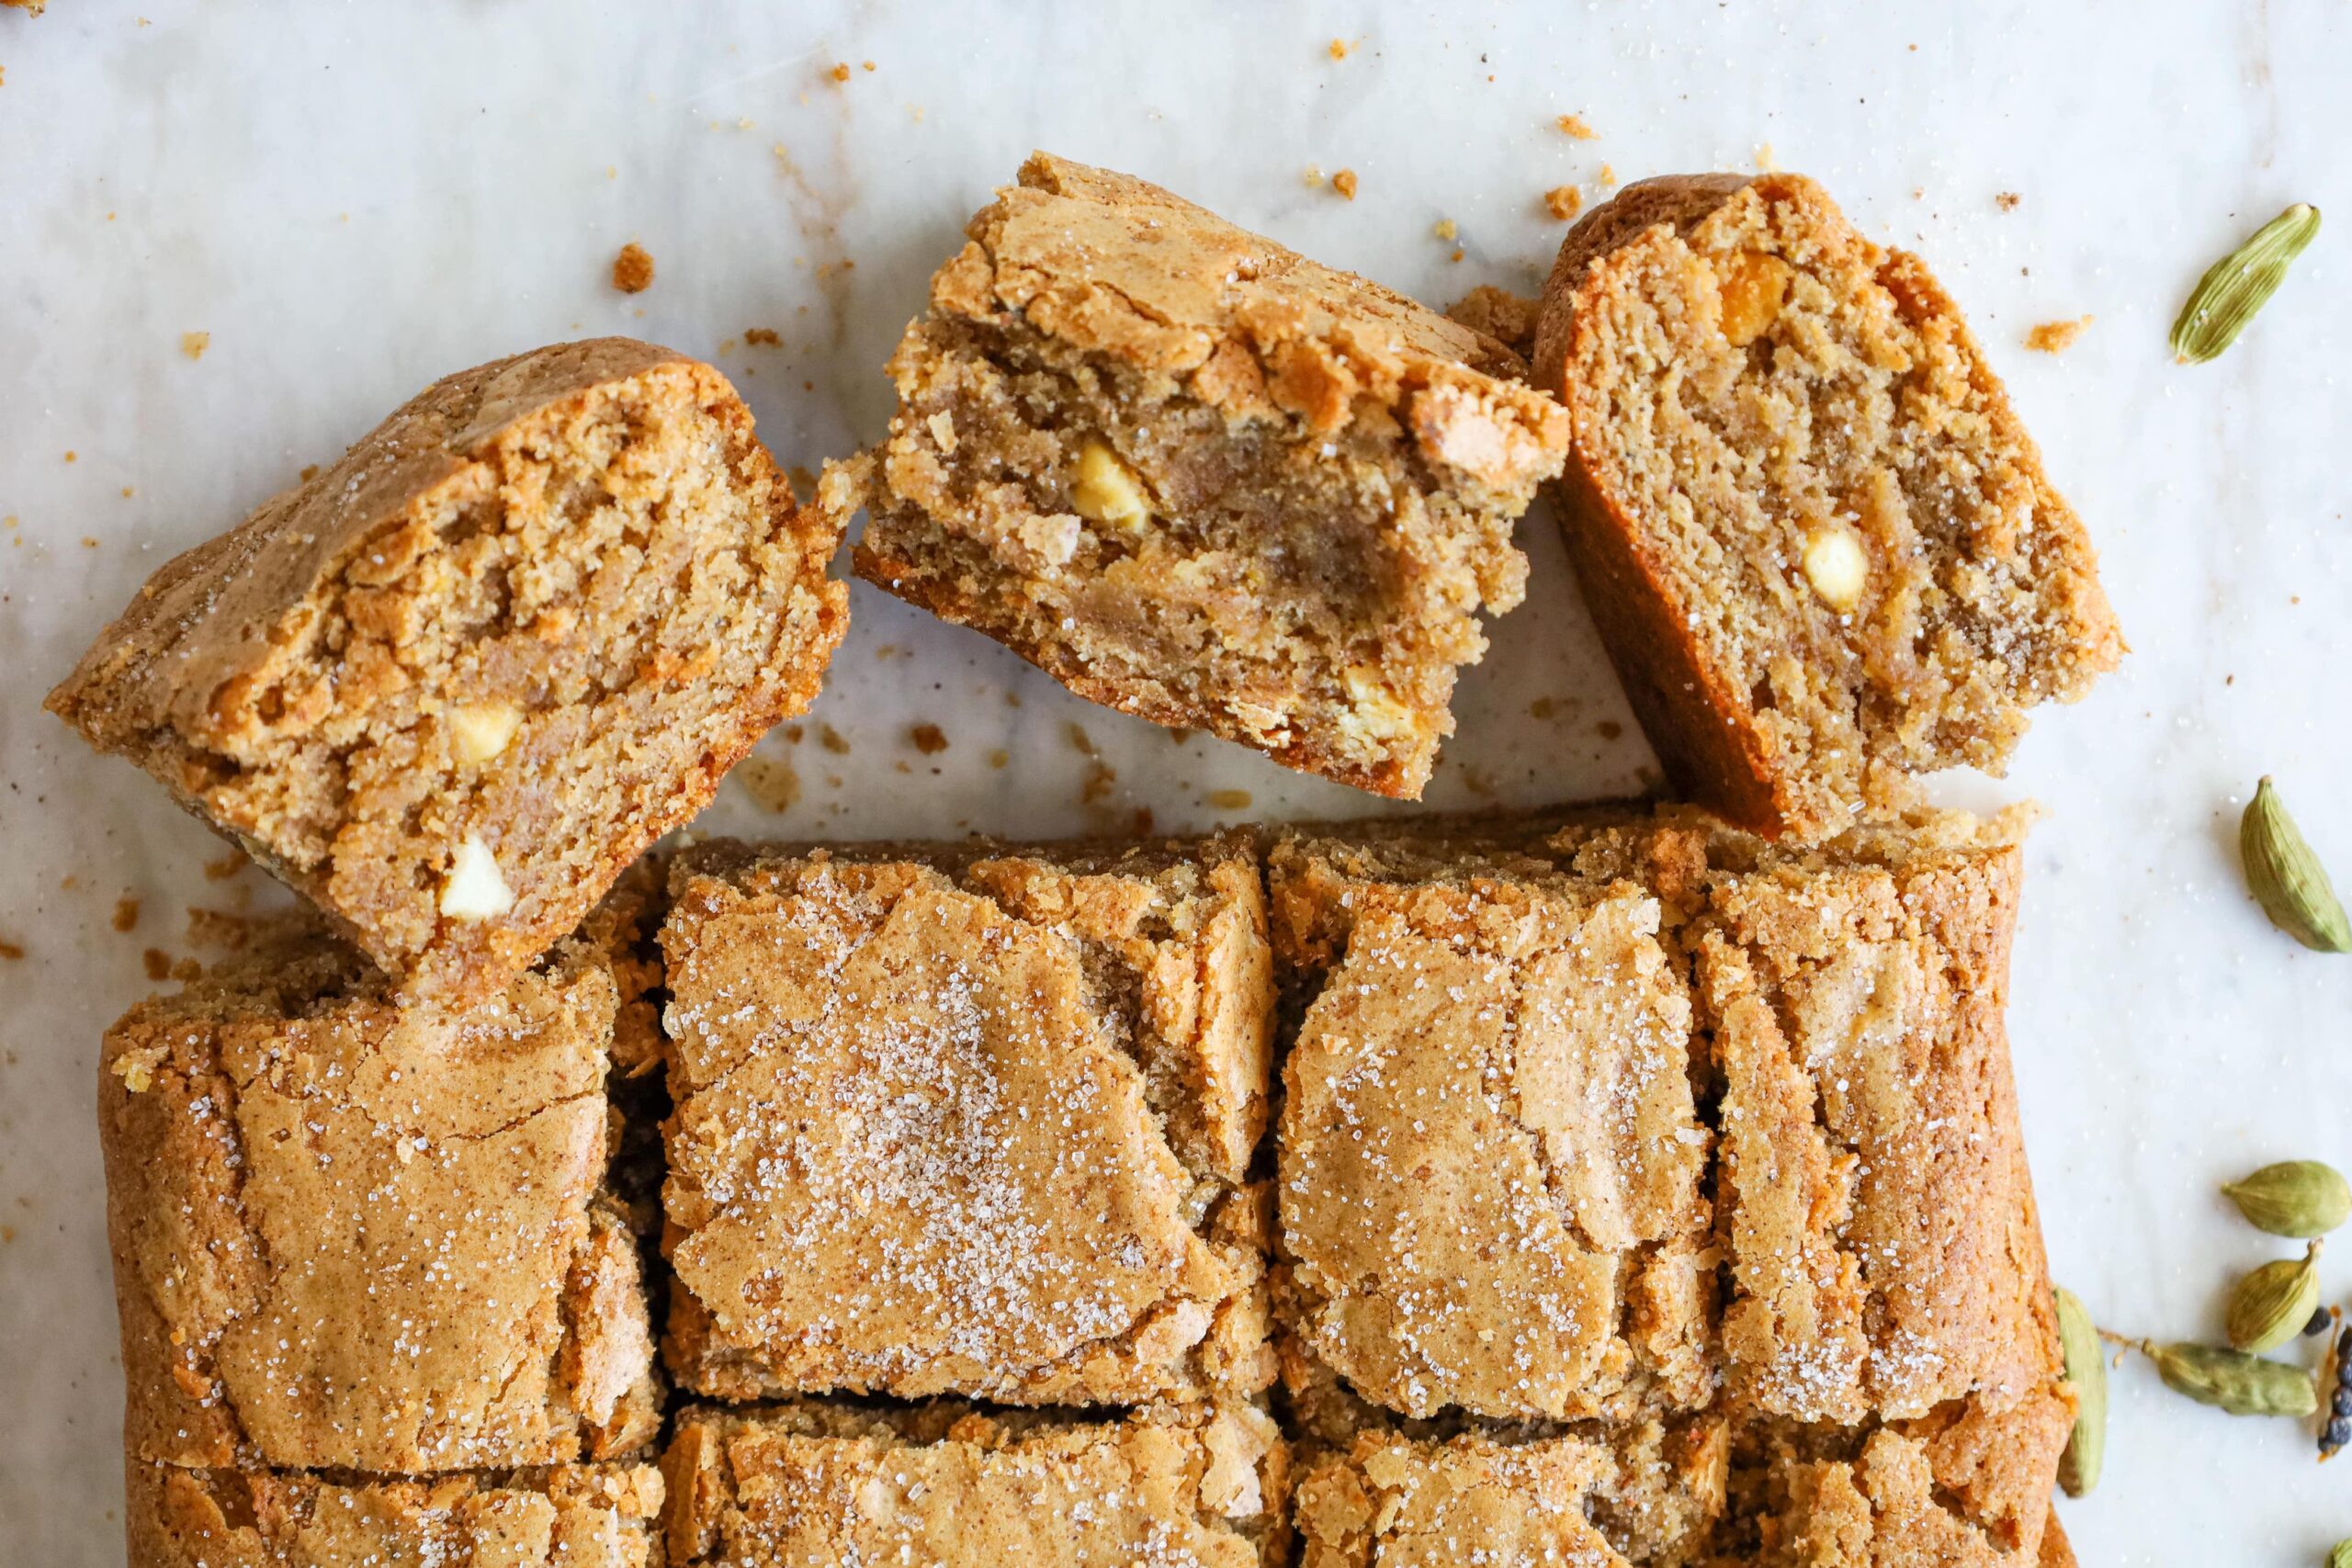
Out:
{"x": 556, "y": 1517}
{"x": 351, "y": 1236}
{"x": 1652, "y": 1192}
{"x": 453, "y": 684}
{"x": 968, "y": 1122}
{"x": 948, "y": 1484}
{"x": 1202, "y": 479}
{"x": 1823, "y": 487}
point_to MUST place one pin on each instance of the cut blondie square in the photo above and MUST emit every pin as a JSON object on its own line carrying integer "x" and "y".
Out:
{"x": 967, "y": 1120}
{"x": 1202, "y": 1485}
{"x": 1202, "y": 479}
{"x": 451, "y": 686}
{"x": 560, "y": 1516}
{"x": 1820, "y": 547}
{"x": 351, "y": 1236}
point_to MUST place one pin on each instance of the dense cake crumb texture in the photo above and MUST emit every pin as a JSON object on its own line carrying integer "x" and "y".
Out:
{"x": 1818, "y": 542}
{"x": 1203, "y": 479}
{"x": 452, "y": 684}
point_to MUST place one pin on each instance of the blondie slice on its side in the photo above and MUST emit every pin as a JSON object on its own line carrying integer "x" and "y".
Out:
{"x": 967, "y": 1120}
{"x": 563, "y": 1516}
{"x": 1818, "y": 543}
{"x": 351, "y": 1236}
{"x": 1202, "y": 479}
{"x": 1525, "y": 1050}
{"x": 450, "y": 686}
{"x": 1203, "y": 1485}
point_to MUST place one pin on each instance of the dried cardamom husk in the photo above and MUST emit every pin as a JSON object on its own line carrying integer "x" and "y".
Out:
{"x": 2240, "y": 283}
{"x": 2340, "y": 1554}
{"x": 2271, "y": 1305}
{"x": 2287, "y": 878}
{"x": 2297, "y": 1198}
{"x": 2234, "y": 1380}
{"x": 2078, "y": 1467}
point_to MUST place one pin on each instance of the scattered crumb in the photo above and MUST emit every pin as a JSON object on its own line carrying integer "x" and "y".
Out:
{"x": 1608, "y": 176}
{"x": 2056, "y": 337}
{"x": 70, "y": 455}
{"x": 227, "y": 866}
{"x": 2007, "y": 200}
{"x": 1542, "y": 707}
{"x": 1338, "y": 48}
{"x": 1344, "y": 182}
{"x": 1765, "y": 160}
{"x": 89, "y": 543}
{"x": 1145, "y": 822}
{"x": 9, "y": 950}
{"x": 1564, "y": 202}
{"x": 219, "y": 928}
{"x": 803, "y": 481}
{"x": 929, "y": 739}
{"x": 127, "y": 491}
{"x": 1456, "y": 257}
{"x": 832, "y": 740}
{"x": 1477, "y": 780}
{"x": 1444, "y": 230}
{"x": 126, "y": 913}
{"x": 999, "y": 758}
{"x": 158, "y": 964}
{"x": 765, "y": 337}
{"x": 1229, "y": 799}
{"x": 773, "y": 786}
{"x": 310, "y": 472}
{"x": 1574, "y": 124}
{"x": 633, "y": 269}
{"x": 193, "y": 345}
{"x": 1100, "y": 779}
{"x": 867, "y": 64}
{"x": 188, "y": 970}
{"x": 1609, "y": 729}
{"x": 841, "y": 72}
{"x": 1083, "y": 741}
{"x": 1314, "y": 177}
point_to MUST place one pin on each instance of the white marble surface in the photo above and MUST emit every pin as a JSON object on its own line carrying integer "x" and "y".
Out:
{"x": 354, "y": 199}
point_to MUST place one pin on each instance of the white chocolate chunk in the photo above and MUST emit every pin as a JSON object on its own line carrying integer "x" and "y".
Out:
{"x": 1834, "y": 563}
{"x": 1106, "y": 490}
{"x": 1378, "y": 715}
{"x": 479, "y": 731}
{"x": 474, "y": 890}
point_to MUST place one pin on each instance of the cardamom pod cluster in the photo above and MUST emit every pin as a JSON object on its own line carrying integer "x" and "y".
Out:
{"x": 2286, "y": 877}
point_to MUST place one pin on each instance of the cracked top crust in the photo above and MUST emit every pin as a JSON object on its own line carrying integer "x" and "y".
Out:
{"x": 966, "y": 1121}
{"x": 349, "y": 1235}
{"x": 1203, "y": 1485}
{"x": 570, "y": 1516}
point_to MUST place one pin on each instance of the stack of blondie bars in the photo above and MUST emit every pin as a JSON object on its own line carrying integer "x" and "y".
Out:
{"x": 1625, "y": 1185}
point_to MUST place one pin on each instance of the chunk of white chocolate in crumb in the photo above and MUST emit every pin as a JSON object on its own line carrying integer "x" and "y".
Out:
{"x": 1835, "y": 565}
{"x": 479, "y": 731}
{"x": 474, "y": 890}
{"x": 1105, "y": 490}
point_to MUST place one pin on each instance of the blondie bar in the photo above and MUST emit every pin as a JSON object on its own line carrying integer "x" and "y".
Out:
{"x": 946, "y": 1484}
{"x": 968, "y": 1120}
{"x": 354, "y": 1236}
{"x": 1202, "y": 479}
{"x": 562, "y": 1517}
{"x": 1819, "y": 544}
{"x": 452, "y": 684}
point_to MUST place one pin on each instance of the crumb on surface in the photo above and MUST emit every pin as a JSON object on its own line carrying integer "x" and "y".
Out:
{"x": 1767, "y": 161}
{"x": 999, "y": 758}
{"x": 1574, "y": 124}
{"x": 1564, "y": 202}
{"x": 841, "y": 71}
{"x": 1608, "y": 175}
{"x": 1337, "y": 49}
{"x": 1344, "y": 182}
{"x": 2007, "y": 200}
{"x": 1312, "y": 177}
{"x": 773, "y": 786}
{"x": 633, "y": 269}
{"x": 1101, "y": 780}
{"x": 310, "y": 472}
{"x": 193, "y": 345}
{"x": 765, "y": 337}
{"x": 867, "y": 64}
{"x": 126, "y": 913}
{"x": 928, "y": 738}
{"x": 1444, "y": 230}
{"x": 2055, "y": 337}
{"x": 1229, "y": 799}
{"x": 832, "y": 740}
{"x": 157, "y": 962}
{"x": 227, "y": 866}
{"x": 10, "y": 949}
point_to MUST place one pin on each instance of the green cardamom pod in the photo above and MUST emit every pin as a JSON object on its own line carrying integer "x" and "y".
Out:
{"x": 2340, "y": 1554}
{"x": 2234, "y": 1380}
{"x": 2298, "y": 1198}
{"x": 2271, "y": 1305}
{"x": 2240, "y": 283}
{"x": 2286, "y": 877}
{"x": 2078, "y": 1467}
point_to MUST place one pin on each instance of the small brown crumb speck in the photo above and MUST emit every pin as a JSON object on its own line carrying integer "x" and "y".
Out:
{"x": 193, "y": 345}
{"x": 187, "y": 971}
{"x": 1229, "y": 799}
{"x": 1564, "y": 202}
{"x": 1542, "y": 707}
{"x": 158, "y": 964}
{"x": 1083, "y": 741}
{"x": 9, "y": 950}
{"x": 1344, "y": 182}
{"x": 1608, "y": 176}
{"x": 1337, "y": 49}
{"x": 72, "y": 456}
{"x": 1609, "y": 729}
{"x": 1574, "y": 124}
{"x": 310, "y": 472}
{"x": 1101, "y": 778}
{"x": 219, "y": 928}
{"x": 999, "y": 758}
{"x": 127, "y": 491}
{"x": 1444, "y": 230}
{"x": 773, "y": 786}
{"x": 867, "y": 64}
{"x": 2007, "y": 200}
{"x": 765, "y": 337}
{"x": 2056, "y": 337}
{"x": 227, "y": 866}
{"x": 841, "y": 72}
{"x": 633, "y": 269}
{"x": 929, "y": 739}
{"x": 832, "y": 740}
{"x": 126, "y": 913}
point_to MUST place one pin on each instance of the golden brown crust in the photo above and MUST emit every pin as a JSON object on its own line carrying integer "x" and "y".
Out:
{"x": 541, "y": 611}
{"x": 946, "y": 1484}
{"x": 569, "y": 1516}
{"x": 967, "y": 1120}
{"x": 1978, "y": 593}
{"x": 1317, "y": 474}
